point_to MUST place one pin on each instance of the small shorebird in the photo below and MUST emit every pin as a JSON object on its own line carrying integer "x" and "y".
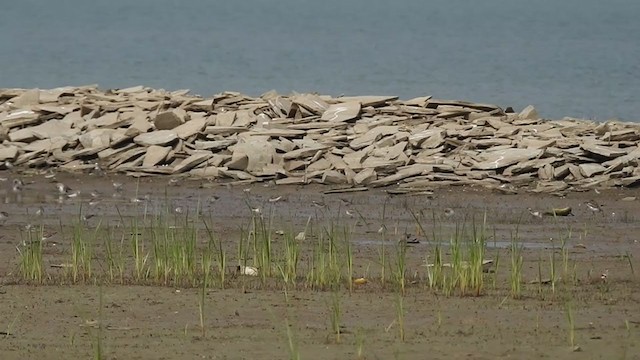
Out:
{"x": 17, "y": 185}
{"x": 247, "y": 270}
{"x": 301, "y": 236}
{"x": 533, "y": 213}
{"x": 40, "y": 211}
{"x": 349, "y": 213}
{"x": 97, "y": 170}
{"x": 117, "y": 186}
{"x": 345, "y": 202}
{"x": 62, "y": 188}
{"x": 593, "y": 206}
{"x": 178, "y": 210}
{"x": 448, "y": 212}
{"x": 319, "y": 204}
{"x": 96, "y": 194}
{"x": 410, "y": 239}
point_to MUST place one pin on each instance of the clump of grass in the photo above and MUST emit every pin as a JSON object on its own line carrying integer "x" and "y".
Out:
{"x": 434, "y": 273}
{"x": 114, "y": 258}
{"x": 348, "y": 251}
{"x": 552, "y": 271}
{"x": 260, "y": 236}
{"x": 292, "y": 340}
{"x": 465, "y": 272}
{"x": 82, "y": 252}
{"x": 400, "y": 316}
{"x": 214, "y": 245}
{"x": 629, "y": 257}
{"x": 98, "y": 346}
{"x": 571, "y": 324}
{"x": 360, "y": 339}
{"x": 324, "y": 265}
{"x": 30, "y": 253}
{"x": 400, "y": 269}
{"x": 291, "y": 258}
{"x": 515, "y": 278}
{"x": 335, "y": 315}
{"x": 201, "y": 306}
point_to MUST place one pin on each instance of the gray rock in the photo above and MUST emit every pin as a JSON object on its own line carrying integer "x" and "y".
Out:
{"x": 168, "y": 120}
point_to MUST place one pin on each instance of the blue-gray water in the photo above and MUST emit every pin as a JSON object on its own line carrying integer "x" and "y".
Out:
{"x": 568, "y": 58}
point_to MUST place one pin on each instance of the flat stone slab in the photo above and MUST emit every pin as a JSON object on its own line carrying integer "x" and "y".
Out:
{"x": 502, "y": 158}
{"x": 191, "y": 162}
{"x": 8, "y": 152}
{"x": 160, "y": 137}
{"x": 342, "y": 112}
{"x": 155, "y": 154}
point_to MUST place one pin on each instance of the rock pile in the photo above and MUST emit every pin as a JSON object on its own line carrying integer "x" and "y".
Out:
{"x": 362, "y": 141}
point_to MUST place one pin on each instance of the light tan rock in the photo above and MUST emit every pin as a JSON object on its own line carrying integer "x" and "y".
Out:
{"x": 529, "y": 113}
{"x": 365, "y": 176}
{"x": 190, "y": 128}
{"x": 160, "y": 137}
{"x": 333, "y": 177}
{"x": 310, "y": 102}
{"x": 502, "y": 158}
{"x": 155, "y": 155}
{"x": 591, "y": 169}
{"x": 605, "y": 151}
{"x": 8, "y": 152}
{"x": 368, "y": 100}
{"x": 191, "y": 161}
{"x": 258, "y": 152}
{"x": 342, "y": 112}
{"x": 20, "y": 117}
{"x": 29, "y": 97}
{"x": 303, "y": 152}
{"x": 372, "y": 136}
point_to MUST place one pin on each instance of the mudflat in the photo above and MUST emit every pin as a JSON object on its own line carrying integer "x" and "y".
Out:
{"x": 360, "y": 287}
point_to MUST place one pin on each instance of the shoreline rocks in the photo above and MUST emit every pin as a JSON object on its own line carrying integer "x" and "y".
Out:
{"x": 308, "y": 138}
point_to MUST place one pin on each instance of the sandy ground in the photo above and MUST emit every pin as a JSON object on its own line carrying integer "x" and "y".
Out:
{"x": 59, "y": 321}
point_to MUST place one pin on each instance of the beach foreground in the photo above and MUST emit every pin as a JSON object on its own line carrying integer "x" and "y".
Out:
{"x": 339, "y": 275}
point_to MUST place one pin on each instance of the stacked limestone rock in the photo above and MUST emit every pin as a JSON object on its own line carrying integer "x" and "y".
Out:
{"x": 306, "y": 138}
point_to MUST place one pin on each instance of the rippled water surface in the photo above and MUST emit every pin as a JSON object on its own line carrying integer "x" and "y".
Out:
{"x": 572, "y": 57}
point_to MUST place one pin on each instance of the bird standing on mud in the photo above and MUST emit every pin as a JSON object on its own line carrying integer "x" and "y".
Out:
{"x": 593, "y": 206}
{"x": 536, "y": 214}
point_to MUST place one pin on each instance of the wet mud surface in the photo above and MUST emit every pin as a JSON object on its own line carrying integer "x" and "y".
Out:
{"x": 58, "y": 320}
